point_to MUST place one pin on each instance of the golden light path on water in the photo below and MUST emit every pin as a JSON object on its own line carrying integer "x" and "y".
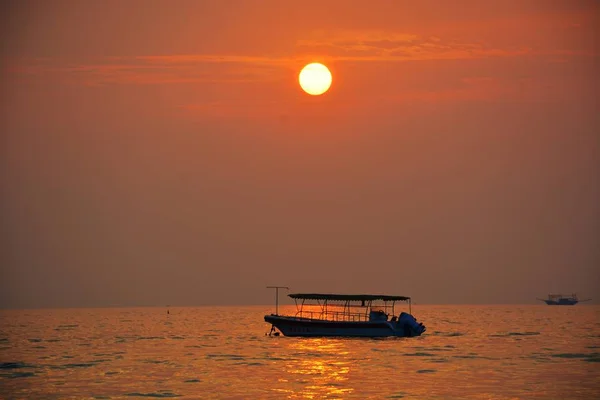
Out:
{"x": 326, "y": 373}
{"x": 468, "y": 352}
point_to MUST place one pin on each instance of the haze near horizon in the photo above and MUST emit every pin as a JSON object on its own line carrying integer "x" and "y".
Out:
{"x": 156, "y": 154}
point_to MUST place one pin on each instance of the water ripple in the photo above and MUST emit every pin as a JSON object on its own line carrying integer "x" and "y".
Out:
{"x": 160, "y": 394}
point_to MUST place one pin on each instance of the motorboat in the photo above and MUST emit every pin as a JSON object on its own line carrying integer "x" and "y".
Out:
{"x": 354, "y": 315}
{"x": 560, "y": 300}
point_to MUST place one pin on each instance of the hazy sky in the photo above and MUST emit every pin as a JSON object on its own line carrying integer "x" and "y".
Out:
{"x": 162, "y": 152}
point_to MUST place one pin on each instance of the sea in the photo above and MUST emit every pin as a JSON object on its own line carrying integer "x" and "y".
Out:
{"x": 467, "y": 352}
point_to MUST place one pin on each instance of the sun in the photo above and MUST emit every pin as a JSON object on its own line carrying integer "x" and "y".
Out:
{"x": 315, "y": 79}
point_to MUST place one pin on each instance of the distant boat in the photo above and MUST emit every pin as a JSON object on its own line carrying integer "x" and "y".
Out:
{"x": 560, "y": 300}
{"x": 363, "y": 315}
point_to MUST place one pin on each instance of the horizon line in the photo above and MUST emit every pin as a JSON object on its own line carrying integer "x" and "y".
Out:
{"x": 250, "y": 305}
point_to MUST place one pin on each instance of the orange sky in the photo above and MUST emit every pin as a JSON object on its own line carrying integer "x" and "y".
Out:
{"x": 156, "y": 153}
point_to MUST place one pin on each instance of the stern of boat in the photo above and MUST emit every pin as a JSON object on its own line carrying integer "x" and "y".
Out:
{"x": 408, "y": 326}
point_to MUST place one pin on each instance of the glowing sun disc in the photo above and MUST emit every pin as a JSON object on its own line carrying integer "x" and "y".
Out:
{"x": 315, "y": 79}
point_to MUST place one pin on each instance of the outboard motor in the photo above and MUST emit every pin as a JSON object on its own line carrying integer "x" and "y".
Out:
{"x": 410, "y": 325}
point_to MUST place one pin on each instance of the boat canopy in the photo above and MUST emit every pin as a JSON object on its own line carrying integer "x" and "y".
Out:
{"x": 347, "y": 297}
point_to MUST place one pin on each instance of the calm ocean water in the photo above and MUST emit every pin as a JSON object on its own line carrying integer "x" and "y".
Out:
{"x": 478, "y": 352}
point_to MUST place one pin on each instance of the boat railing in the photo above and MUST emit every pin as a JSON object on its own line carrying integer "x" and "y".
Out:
{"x": 333, "y": 315}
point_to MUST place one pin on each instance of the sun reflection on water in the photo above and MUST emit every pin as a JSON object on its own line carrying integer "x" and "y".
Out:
{"x": 322, "y": 368}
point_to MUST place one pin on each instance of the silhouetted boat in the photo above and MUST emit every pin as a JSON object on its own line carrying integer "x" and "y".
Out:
{"x": 560, "y": 300}
{"x": 365, "y": 315}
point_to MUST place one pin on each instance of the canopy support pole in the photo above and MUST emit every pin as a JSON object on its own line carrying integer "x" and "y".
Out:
{"x": 277, "y": 296}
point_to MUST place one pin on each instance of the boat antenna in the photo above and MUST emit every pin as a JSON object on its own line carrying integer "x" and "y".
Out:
{"x": 277, "y": 296}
